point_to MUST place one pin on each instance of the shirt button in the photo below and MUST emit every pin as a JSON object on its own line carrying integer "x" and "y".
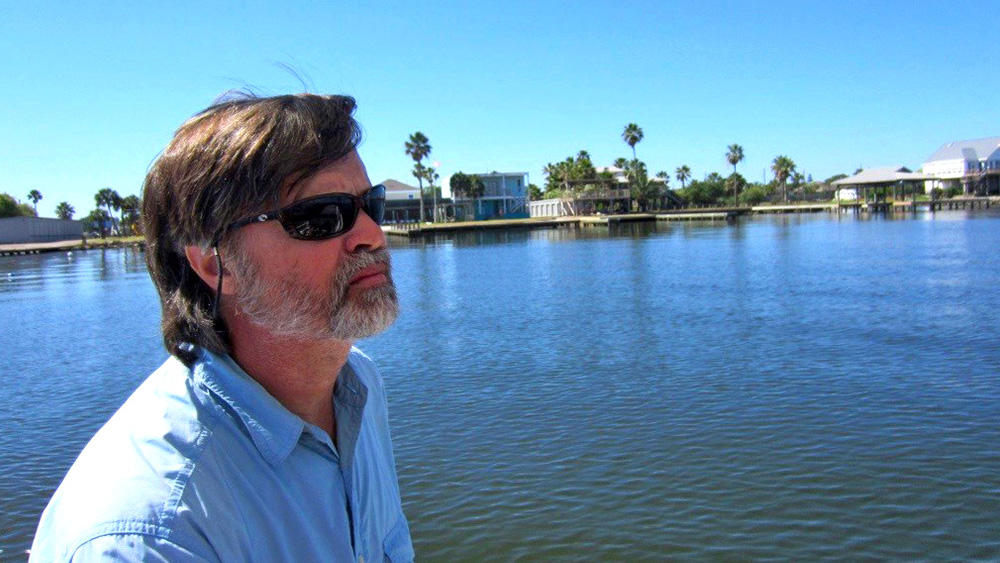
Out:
{"x": 361, "y": 559}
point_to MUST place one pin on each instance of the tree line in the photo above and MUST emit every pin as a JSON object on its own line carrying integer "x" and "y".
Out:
{"x": 113, "y": 215}
{"x": 576, "y": 176}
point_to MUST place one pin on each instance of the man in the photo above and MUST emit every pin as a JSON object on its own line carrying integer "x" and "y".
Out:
{"x": 265, "y": 436}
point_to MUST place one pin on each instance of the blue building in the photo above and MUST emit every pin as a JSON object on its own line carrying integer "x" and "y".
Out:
{"x": 505, "y": 196}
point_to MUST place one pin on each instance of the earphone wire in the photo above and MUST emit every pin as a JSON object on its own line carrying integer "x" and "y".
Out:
{"x": 218, "y": 287}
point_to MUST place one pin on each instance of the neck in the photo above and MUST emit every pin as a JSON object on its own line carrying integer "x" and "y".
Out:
{"x": 299, "y": 373}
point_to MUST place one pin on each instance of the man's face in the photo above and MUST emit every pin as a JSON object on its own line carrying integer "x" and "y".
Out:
{"x": 339, "y": 288}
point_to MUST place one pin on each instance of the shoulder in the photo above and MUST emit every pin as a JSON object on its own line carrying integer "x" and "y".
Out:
{"x": 130, "y": 481}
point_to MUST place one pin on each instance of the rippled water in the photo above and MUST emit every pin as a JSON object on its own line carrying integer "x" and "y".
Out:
{"x": 788, "y": 388}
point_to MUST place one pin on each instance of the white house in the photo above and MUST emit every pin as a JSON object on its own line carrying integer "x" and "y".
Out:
{"x": 974, "y": 165}
{"x": 618, "y": 173}
{"x": 395, "y": 191}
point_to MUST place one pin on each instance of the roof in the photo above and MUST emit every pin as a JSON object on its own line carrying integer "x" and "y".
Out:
{"x": 885, "y": 175}
{"x": 397, "y": 186}
{"x": 987, "y": 148}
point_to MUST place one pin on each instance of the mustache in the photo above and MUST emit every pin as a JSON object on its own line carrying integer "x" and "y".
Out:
{"x": 354, "y": 263}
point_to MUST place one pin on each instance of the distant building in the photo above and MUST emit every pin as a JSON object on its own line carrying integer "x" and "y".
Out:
{"x": 17, "y": 230}
{"x": 973, "y": 165}
{"x": 505, "y": 195}
{"x": 402, "y": 203}
{"x": 591, "y": 196}
{"x": 619, "y": 174}
{"x": 395, "y": 191}
{"x": 895, "y": 180}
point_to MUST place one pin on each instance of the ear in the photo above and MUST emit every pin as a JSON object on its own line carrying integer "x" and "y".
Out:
{"x": 205, "y": 263}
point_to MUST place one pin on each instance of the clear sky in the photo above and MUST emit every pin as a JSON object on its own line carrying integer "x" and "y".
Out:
{"x": 92, "y": 91}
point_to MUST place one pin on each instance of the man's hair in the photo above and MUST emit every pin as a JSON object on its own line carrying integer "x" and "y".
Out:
{"x": 231, "y": 160}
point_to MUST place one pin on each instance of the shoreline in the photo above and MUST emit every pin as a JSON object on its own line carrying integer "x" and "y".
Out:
{"x": 410, "y": 230}
{"x": 69, "y": 246}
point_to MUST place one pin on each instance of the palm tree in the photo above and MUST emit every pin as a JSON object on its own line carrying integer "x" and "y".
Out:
{"x": 632, "y": 135}
{"x": 664, "y": 176}
{"x": 65, "y": 211}
{"x": 97, "y": 219}
{"x": 130, "y": 212}
{"x": 683, "y": 173}
{"x": 419, "y": 148}
{"x": 432, "y": 176}
{"x": 736, "y": 183}
{"x": 783, "y": 167}
{"x": 110, "y": 199}
{"x": 35, "y": 196}
{"x": 734, "y": 156}
{"x": 797, "y": 179}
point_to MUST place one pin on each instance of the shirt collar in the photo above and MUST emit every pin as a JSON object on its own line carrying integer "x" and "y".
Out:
{"x": 274, "y": 429}
{"x": 349, "y": 389}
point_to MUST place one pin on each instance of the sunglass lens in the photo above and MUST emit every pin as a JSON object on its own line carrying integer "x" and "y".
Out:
{"x": 319, "y": 219}
{"x": 375, "y": 203}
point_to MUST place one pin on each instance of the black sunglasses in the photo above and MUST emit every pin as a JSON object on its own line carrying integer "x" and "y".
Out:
{"x": 323, "y": 216}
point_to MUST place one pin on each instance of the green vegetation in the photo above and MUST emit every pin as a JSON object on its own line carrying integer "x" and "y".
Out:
{"x": 470, "y": 187}
{"x": 96, "y": 222}
{"x": 573, "y": 176}
{"x": 783, "y": 167}
{"x": 419, "y": 148}
{"x": 111, "y": 200}
{"x": 10, "y": 207}
{"x": 683, "y": 174}
{"x": 35, "y": 196}
{"x": 130, "y": 206}
{"x": 632, "y": 135}
{"x": 949, "y": 192}
{"x": 534, "y": 192}
{"x": 65, "y": 211}
{"x": 734, "y": 156}
{"x": 736, "y": 182}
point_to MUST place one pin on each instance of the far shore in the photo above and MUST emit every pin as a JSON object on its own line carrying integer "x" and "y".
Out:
{"x": 70, "y": 245}
{"x": 417, "y": 229}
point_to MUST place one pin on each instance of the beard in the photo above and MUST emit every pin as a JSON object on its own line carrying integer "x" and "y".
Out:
{"x": 291, "y": 309}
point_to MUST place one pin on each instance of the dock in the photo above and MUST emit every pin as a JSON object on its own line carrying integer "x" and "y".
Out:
{"x": 68, "y": 246}
{"x": 689, "y": 214}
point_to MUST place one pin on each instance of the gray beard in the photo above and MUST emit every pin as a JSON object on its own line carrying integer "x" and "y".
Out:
{"x": 289, "y": 309}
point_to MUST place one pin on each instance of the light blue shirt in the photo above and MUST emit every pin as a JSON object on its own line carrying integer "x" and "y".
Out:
{"x": 202, "y": 464}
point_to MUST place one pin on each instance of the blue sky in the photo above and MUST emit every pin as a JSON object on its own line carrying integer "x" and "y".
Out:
{"x": 92, "y": 91}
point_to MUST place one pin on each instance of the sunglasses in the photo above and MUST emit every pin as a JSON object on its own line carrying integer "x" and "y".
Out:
{"x": 323, "y": 216}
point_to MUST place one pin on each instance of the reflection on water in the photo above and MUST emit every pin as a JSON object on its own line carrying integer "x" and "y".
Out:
{"x": 787, "y": 388}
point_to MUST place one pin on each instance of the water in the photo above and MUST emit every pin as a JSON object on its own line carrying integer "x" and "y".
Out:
{"x": 788, "y": 388}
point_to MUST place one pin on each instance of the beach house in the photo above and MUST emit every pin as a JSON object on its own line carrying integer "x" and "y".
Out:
{"x": 505, "y": 195}
{"x": 973, "y": 165}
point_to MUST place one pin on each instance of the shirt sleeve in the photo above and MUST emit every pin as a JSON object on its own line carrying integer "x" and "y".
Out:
{"x": 135, "y": 547}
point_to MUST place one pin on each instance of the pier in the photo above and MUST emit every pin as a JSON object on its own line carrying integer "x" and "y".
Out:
{"x": 697, "y": 214}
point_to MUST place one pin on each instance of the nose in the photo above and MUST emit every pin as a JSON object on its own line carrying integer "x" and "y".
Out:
{"x": 366, "y": 234}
